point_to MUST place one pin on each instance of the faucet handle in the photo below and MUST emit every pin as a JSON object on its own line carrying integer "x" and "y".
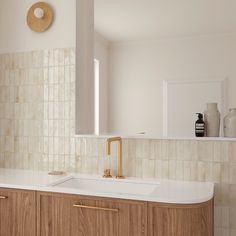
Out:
{"x": 107, "y": 173}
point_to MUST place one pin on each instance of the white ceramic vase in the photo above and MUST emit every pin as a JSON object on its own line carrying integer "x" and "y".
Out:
{"x": 212, "y": 120}
{"x": 230, "y": 124}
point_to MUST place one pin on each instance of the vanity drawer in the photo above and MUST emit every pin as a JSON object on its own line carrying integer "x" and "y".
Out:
{"x": 65, "y": 214}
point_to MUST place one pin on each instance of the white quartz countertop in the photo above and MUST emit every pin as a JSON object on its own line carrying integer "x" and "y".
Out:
{"x": 163, "y": 191}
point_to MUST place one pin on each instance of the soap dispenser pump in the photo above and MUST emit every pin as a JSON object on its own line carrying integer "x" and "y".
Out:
{"x": 200, "y": 126}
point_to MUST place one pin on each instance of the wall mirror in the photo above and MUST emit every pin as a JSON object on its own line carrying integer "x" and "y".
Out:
{"x": 157, "y": 63}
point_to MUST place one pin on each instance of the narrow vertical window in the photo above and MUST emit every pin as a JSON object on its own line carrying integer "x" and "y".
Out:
{"x": 96, "y": 96}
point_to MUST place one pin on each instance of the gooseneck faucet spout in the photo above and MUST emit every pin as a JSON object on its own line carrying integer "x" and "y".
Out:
{"x": 119, "y": 154}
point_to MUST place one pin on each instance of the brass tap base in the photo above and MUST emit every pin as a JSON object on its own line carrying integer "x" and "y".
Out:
{"x": 120, "y": 177}
{"x": 107, "y": 176}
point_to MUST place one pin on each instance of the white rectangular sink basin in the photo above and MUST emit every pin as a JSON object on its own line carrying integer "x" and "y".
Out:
{"x": 108, "y": 186}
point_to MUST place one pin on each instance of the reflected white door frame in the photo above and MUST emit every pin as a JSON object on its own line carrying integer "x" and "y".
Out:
{"x": 221, "y": 82}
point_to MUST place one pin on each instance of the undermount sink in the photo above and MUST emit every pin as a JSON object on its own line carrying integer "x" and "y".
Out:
{"x": 108, "y": 186}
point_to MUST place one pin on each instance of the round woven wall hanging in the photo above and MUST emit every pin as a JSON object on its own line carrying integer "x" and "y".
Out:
{"x": 40, "y": 17}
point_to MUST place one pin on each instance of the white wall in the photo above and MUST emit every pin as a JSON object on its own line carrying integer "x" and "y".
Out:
{"x": 85, "y": 67}
{"x": 137, "y": 70}
{"x": 16, "y": 36}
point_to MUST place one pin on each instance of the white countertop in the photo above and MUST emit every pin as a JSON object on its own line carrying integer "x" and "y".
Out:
{"x": 166, "y": 191}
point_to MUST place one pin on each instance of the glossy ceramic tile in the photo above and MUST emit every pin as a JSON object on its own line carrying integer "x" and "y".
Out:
{"x": 37, "y": 131}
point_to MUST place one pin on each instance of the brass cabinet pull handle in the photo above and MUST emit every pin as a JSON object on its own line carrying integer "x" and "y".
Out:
{"x": 3, "y": 197}
{"x": 96, "y": 208}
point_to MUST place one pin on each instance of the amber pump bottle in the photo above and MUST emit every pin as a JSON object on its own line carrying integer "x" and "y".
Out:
{"x": 200, "y": 126}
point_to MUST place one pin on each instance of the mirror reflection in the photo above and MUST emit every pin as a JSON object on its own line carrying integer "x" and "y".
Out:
{"x": 158, "y": 63}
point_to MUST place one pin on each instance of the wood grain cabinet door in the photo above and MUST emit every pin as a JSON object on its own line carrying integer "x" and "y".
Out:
{"x": 180, "y": 220}
{"x": 17, "y": 213}
{"x": 71, "y": 215}
{"x": 123, "y": 218}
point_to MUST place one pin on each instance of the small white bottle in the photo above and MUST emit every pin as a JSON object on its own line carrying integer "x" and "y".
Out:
{"x": 230, "y": 124}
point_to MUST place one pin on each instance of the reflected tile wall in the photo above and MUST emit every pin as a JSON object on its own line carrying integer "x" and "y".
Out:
{"x": 37, "y": 125}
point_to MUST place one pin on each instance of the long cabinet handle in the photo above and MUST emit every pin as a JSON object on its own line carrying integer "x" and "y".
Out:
{"x": 96, "y": 208}
{"x": 3, "y": 197}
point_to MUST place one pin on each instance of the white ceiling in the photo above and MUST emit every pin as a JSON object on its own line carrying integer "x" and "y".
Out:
{"x": 122, "y": 20}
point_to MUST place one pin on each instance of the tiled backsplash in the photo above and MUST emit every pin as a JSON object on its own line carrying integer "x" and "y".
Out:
{"x": 37, "y": 109}
{"x": 37, "y": 125}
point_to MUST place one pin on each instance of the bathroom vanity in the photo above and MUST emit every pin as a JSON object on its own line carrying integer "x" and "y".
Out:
{"x": 37, "y": 204}
{"x": 58, "y": 214}
{"x": 62, "y": 214}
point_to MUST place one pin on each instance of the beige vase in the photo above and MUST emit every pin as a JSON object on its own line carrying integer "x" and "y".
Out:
{"x": 230, "y": 124}
{"x": 212, "y": 120}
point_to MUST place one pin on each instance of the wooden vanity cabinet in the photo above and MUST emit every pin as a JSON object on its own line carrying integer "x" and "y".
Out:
{"x": 70, "y": 215}
{"x": 56, "y": 214}
{"x": 180, "y": 219}
{"x": 17, "y": 212}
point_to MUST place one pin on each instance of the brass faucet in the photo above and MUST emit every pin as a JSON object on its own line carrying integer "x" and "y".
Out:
{"x": 119, "y": 154}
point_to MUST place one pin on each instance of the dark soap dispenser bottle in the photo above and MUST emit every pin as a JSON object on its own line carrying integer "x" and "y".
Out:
{"x": 200, "y": 126}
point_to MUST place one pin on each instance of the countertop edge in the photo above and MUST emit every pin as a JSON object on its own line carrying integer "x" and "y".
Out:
{"x": 107, "y": 195}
